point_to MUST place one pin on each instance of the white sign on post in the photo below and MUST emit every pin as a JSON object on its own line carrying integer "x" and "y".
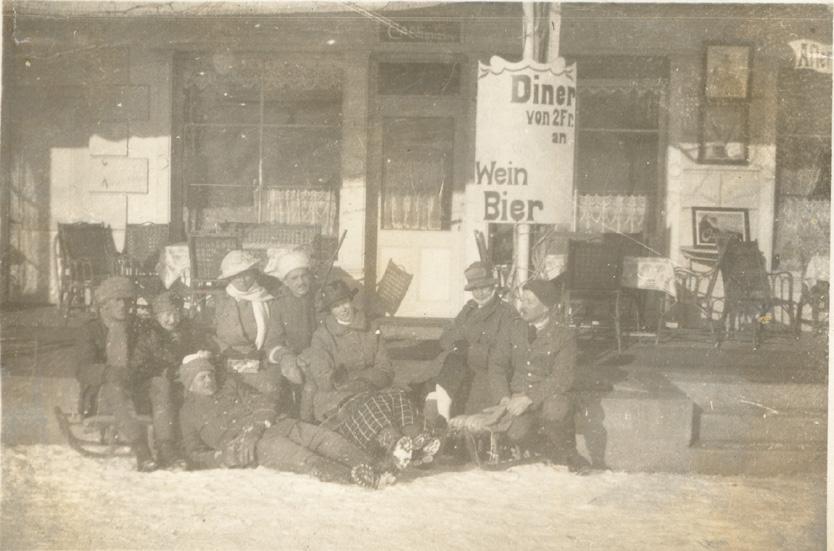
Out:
{"x": 525, "y": 141}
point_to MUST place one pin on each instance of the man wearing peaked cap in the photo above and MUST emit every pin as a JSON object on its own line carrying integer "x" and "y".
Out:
{"x": 542, "y": 360}
{"x": 468, "y": 379}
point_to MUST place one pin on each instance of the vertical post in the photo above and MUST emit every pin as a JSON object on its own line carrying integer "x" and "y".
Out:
{"x": 522, "y": 231}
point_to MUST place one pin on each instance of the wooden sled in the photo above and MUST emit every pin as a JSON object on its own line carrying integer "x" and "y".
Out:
{"x": 96, "y": 435}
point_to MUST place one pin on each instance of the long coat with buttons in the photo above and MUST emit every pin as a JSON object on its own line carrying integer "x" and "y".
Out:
{"x": 486, "y": 331}
{"x": 345, "y": 360}
{"x": 543, "y": 367}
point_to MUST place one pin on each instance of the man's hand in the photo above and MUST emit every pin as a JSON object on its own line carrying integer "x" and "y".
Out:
{"x": 246, "y": 447}
{"x": 518, "y": 404}
{"x": 290, "y": 370}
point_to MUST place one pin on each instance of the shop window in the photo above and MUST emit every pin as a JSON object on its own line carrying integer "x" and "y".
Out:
{"x": 617, "y": 140}
{"x": 417, "y": 173}
{"x": 419, "y": 79}
{"x": 803, "y": 150}
{"x": 262, "y": 139}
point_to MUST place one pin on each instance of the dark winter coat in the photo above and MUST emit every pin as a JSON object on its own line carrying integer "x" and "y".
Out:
{"x": 345, "y": 360}
{"x": 543, "y": 367}
{"x": 296, "y": 320}
{"x": 160, "y": 352}
{"x": 477, "y": 333}
{"x": 210, "y": 423}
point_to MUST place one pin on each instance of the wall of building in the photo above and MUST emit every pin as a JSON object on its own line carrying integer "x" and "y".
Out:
{"x": 681, "y": 32}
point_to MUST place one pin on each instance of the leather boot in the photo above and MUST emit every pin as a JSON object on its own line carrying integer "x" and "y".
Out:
{"x": 144, "y": 459}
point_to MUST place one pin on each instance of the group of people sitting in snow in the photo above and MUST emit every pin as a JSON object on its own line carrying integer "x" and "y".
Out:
{"x": 296, "y": 378}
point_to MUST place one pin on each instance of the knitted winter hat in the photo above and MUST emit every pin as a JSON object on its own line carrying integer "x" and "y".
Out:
{"x": 547, "y": 293}
{"x": 115, "y": 287}
{"x": 289, "y": 262}
{"x": 194, "y": 364}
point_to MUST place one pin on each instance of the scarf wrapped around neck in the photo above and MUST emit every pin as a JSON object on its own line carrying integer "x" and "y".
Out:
{"x": 258, "y": 296}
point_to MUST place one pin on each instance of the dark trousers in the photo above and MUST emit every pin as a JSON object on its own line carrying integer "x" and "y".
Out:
{"x": 552, "y": 420}
{"x": 153, "y": 395}
{"x": 456, "y": 379}
{"x": 296, "y": 446}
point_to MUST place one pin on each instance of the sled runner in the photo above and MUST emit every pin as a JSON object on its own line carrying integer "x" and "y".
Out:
{"x": 96, "y": 435}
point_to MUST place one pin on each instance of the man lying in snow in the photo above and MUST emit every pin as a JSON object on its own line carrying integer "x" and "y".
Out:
{"x": 233, "y": 426}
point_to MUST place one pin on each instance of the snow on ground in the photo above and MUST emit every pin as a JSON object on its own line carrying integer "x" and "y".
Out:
{"x": 55, "y": 499}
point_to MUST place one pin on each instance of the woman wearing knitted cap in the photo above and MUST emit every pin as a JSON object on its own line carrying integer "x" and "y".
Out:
{"x": 111, "y": 379}
{"x": 230, "y": 426}
{"x": 248, "y": 328}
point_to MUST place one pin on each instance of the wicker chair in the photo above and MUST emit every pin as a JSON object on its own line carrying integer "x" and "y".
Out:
{"x": 748, "y": 287}
{"x": 143, "y": 243}
{"x": 207, "y": 251}
{"x": 86, "y": 255}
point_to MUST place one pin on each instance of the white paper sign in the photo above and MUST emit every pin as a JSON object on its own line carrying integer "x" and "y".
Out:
{"x": 810, "y": 54}
{"x": 525, "y": 141}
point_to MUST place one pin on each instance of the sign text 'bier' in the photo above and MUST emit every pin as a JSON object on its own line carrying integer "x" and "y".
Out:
{"x": 525, "y": 143}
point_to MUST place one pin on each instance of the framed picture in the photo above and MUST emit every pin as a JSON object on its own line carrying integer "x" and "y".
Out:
{"x": 727, "y": 71}
{"x": 708, "y": 221}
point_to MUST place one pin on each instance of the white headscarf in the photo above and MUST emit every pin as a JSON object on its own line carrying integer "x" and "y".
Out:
{"x": 258, "y": 296}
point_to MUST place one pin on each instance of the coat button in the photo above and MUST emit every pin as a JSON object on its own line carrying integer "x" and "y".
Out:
{"x": 528, "y": 362}
{"x": 548, "y": 352}
{"x": 529, "y": 374}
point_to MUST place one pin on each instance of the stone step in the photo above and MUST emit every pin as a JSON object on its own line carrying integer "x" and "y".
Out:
{"x": 722, "y": 457}
{"x": 732, "y": 393}
{"x": 754, "y": 424}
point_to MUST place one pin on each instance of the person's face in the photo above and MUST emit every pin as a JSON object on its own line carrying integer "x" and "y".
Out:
{"x": 298, "y": 282}
{"x": 204, "y": 384}
{"x": 483, "y": 294}
{"x": 244, "y": 280}
{"x": 169, "y": 319}
{"x": 117, "y": 309}
{"x": 532, "y": 309}
{"x": 343, "y": 311}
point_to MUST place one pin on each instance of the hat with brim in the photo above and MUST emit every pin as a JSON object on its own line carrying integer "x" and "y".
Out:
{"x": 336, "y": 292}
{"x": 236, "y": 262}
{"x": 478, "y": 275}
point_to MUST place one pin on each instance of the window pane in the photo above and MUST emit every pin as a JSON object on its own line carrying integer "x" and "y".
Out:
{"x": 417, "y": 173}
{"x": 617, "y": 108}
{"x": 804, "y": 166}
{"x": 302, "y": 157}
{"x": 319, "y": 109}
{"x": 420, "y": 79}
{"x": 220, "y": 163}
{"x": 614, "y": 163}
{"x": 222, "y": 88}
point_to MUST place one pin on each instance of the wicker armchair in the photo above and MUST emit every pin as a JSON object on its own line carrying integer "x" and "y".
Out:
{"x": 207, "y": 251}
{"x": 86, "y": 255}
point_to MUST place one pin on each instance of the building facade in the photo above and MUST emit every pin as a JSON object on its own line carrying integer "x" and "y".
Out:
{"x": 364, "y": 120}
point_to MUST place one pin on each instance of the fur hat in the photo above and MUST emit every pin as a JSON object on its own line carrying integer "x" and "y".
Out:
{"x": 289, "y": 262}
{"x": 165, "y": 302}
{"x": 193, "y": 365}
{"x": 115, "y": 287}
{"x": 236, "y": 262}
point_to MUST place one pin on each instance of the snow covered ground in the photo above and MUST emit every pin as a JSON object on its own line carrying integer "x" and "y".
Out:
{"x": 52, "y": 498}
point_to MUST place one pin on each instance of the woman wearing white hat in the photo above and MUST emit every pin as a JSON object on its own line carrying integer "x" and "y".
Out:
{"x": 247, "y": 327}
